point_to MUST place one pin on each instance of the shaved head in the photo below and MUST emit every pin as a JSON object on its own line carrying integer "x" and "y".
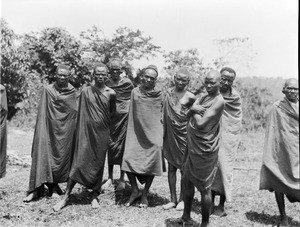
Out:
{"x": 214, "y": 74}
{"x": 291, "y": 81}
{"x": 184, "y": 71}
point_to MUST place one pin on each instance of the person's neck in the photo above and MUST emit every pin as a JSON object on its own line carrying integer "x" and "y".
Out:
{"x": 116, "y": 79}
{"x": 226, "y": 92}
{"x": 100, "y": 85}
{"x": 180, "y": 90}
{"x": 147, "y": 88}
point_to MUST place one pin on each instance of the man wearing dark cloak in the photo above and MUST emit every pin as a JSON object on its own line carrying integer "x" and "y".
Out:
{"x": 280, "y": 167}
{"x": 142, "y": 158}
{"x": 177, "y": 102}
{"x": 96, "y": 103}
{"x": 231, "y": 137}
{"x": 119, "y": 119}
{"x": 203, "y": 142}
{"x": 54, "y": 133}
{"x": 3, "y": 131}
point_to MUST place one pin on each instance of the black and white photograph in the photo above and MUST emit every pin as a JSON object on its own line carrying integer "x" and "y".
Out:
{"x": 149, "y": 113}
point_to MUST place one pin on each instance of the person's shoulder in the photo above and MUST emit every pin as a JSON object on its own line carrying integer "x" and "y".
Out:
{"x": 235, "y": 93}
{"x": 2, "y": 87}
{"x": 110, "y": 90}
{"x": 190, "y": 95}
{"x": 126, "y": 80}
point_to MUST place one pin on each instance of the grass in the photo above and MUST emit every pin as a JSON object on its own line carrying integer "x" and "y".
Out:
{"x": 250, "y": 207}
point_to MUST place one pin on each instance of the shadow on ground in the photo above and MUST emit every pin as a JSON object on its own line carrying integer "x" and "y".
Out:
{"x": 267, "y": 219}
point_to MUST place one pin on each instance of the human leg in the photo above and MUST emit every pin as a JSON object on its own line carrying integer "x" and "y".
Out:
{"x": 206, "y": 203}
{"x": 109, "y": 181}
{"x": 180, "y": 205}
{"x": 121, "y": 183}
{"x": 144, "y": 200}
{"x": 188, "y": 197}
{"x": 135, "y": 193}
{"x": 61, "y": 204}
{"x": 280, "y": 203}
{"x": 172, "y": 186}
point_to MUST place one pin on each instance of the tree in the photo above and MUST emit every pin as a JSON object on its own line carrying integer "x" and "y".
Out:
{"x": 51, "y": 47}
{"x": 11, "y": 71}
{"x": 191, "y": 59}
{"x": 125, "y": 43}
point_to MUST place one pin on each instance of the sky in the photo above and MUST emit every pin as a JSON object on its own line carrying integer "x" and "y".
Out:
{"x": 270, "y": 25}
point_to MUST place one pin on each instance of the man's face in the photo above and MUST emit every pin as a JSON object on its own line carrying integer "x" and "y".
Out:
{"x": 181, "y": 81}
{"x": 291, "y": 91}
{"x": 100, "y": 74}
{"x": 62, "y": 77}
{"x": 115, "y": 73}
{"x": 227, "y": 79}
{"x": 149, "y": 78}
{"x": 211, "y": 84}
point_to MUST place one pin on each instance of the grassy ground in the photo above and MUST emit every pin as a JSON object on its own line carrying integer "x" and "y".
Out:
{"x": 250, "y": 207}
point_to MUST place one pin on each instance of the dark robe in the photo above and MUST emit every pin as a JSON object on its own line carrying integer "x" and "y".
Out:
{"x": 143, "y": 152}
{"x": 202, "y": 149}
{"x": 54, "y": 134}
{"x": 3, "y": 132}
{"x": 119, "y": 120}
{"x": 280, "y": 167}
{"x": 231, "y": 137}
{"x": 175, "y": 129}
{"x": 92, "y": 138}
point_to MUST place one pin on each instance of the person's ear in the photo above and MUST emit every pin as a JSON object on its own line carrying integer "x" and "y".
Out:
{"x": 283, "y": 90}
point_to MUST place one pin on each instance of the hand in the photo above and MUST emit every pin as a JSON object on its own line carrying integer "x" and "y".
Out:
{"x": 198, "y": 109}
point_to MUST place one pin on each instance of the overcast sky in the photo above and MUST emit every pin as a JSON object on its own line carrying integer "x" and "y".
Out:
{"x": 270, "y": 25}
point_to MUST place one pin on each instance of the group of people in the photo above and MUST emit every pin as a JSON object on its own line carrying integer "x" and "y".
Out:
{"x": 138, "y": 127}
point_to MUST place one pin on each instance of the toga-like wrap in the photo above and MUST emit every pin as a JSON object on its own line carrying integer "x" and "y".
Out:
{"x": 92, "y": 138}
{"x": 231, "y": 137}
{"x": 3, "y": 132}
{"x": 175, "y": 129}
{"x": 54, "y": 134}
{"x": 143, "y": 154}
{"x": 202, "y": 149}
{"x": 280, "y": 167}
{"x": 119, "y": 120}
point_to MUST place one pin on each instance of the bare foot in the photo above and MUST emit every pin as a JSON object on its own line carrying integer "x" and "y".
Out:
{"x": 134, "y": 196}
{"x": 284, "y": 222}
{"x": 108, "y": 184}
{"x": 180, "y": 206}
{"x": 61, "y": 204}
{"x": 219, "y": 212}
{"x": 144, "y": 202}
{"x": 121, "y": 186}
{"x": 30, "y": 197}
{"x": 169, "y": 206}
{"x": 95, "y": 204}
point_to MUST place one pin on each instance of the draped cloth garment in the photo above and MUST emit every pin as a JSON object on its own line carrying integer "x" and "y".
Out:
{"x": 280, "y": 167}
{"x": 143, "y": 153}
{"x": 202, "y": 149}
{"x": 3, "y": 130}
{"x": 54, "y": 135}
{"x": 92, "y": 138}
{"x": 231, "y": 137}
{"x": 119, "y": 121}
{"x": 175, "y": 129}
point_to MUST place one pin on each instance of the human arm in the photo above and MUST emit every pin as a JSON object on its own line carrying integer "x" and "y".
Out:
{"x": 216, "y": 110}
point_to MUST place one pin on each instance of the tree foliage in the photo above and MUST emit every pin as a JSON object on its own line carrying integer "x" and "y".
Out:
{"x": 11, "y": 70}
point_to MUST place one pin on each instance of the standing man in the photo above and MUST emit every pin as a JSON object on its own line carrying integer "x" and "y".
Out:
{"x": 54, "y": 133}
{"x": 96, "y": 104}
{"x": 119, "y": 120}
{"x": 203, "y": 142}
{"x": 175, "y": 108}
{"x": 3, "y": 132}
{"x": 143, "y": 155}
{"x": 231, "y": 129}
{"x": 280, "y": 167}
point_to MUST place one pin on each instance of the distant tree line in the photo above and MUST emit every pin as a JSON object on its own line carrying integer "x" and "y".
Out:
{"x": 29, "y": 61}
